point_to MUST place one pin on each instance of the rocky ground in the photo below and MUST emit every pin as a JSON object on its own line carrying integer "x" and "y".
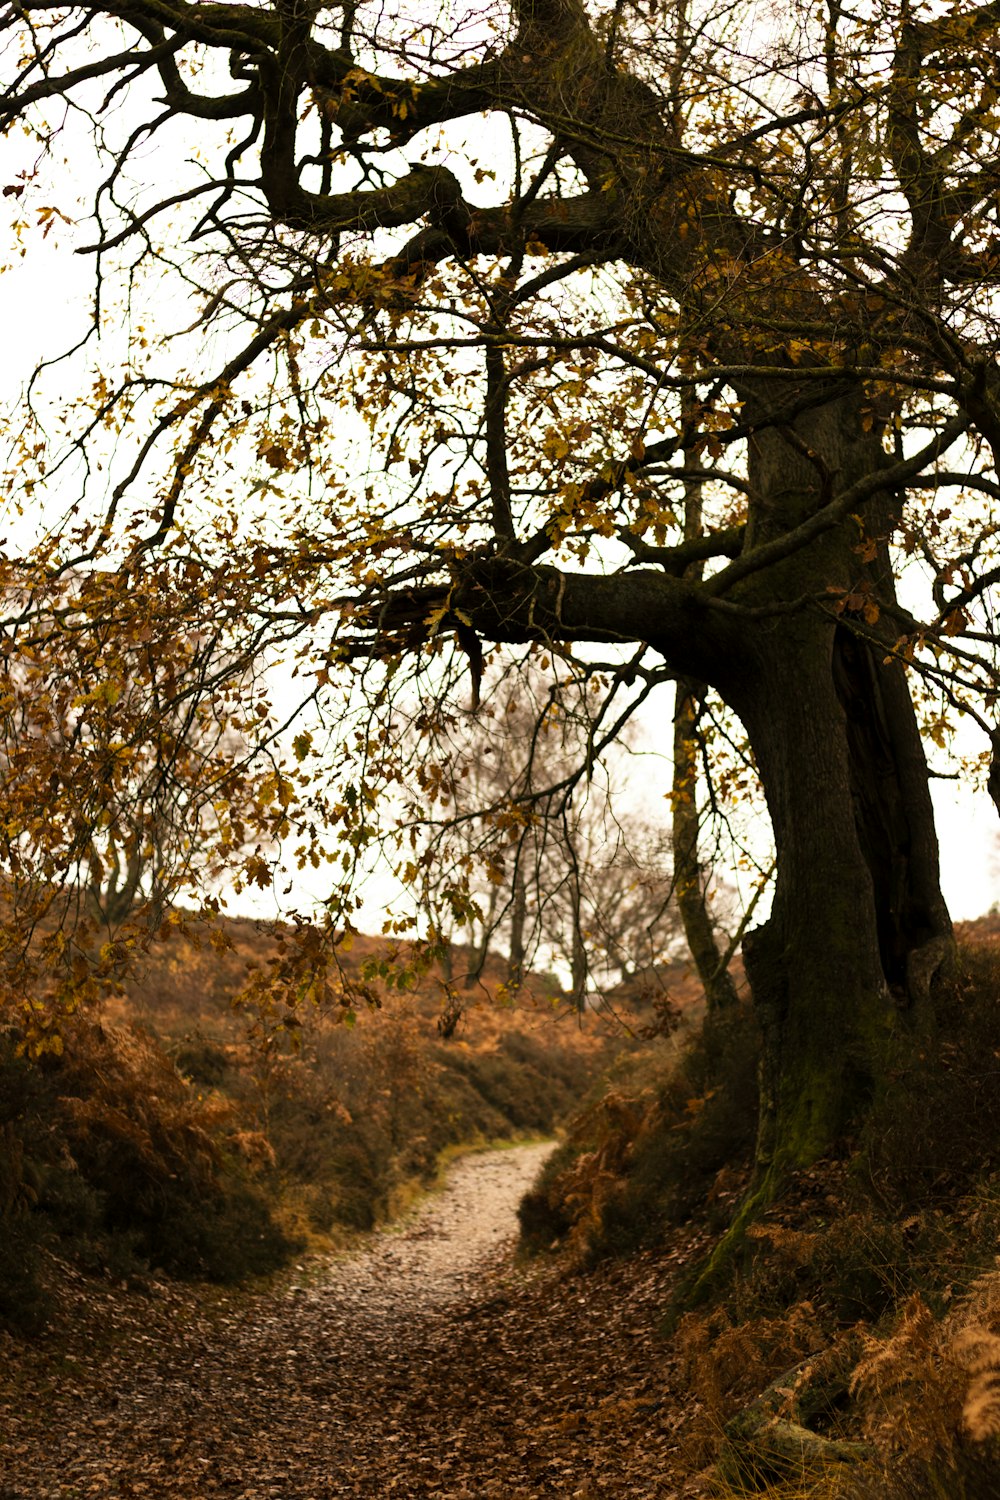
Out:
{"x": 429, "y": 1364}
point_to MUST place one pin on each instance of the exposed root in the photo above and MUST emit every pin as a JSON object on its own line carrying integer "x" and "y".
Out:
{"x": 707, "y": 1279}
{"x": 769, "y": 1440}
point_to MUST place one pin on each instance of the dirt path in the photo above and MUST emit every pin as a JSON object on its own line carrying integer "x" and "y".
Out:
{"x": 427, "y": 1366}
{"x": 440, "y": 1255}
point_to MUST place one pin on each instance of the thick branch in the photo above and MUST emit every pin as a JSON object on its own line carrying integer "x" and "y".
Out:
{"x": 676, "y": 560}
{"x": 360, "y": 102}
{"x": 507, "y": 601}
{"x": 841, "y": 506}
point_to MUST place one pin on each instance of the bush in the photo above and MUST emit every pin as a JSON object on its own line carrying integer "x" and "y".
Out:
{"x": 23, "y": 1303}
{"x": 109, "y": 1157}
{"x": 120, "y": 1159}
{"x": 202, "y": 1062}
{"x": 226, "y": 1236}
{"x": 357, "y": 1116}
{"x": 851, "y": 1267}
{"x": 544, "y": 1214}
{"x": 670, "y": 1132}
{"x": 938, "y": 1130}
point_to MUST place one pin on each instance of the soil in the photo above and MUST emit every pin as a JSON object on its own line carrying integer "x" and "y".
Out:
{"x": 431, "y": 1363}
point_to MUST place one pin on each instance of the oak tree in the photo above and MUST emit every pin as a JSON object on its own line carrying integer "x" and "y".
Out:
{"x": 659, "y": 339}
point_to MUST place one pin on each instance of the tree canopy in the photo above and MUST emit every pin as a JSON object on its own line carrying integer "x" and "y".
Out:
{"x": 657, "y": 342}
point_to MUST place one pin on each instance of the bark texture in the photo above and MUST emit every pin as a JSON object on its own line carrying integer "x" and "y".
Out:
{"x": 844, "y": 966}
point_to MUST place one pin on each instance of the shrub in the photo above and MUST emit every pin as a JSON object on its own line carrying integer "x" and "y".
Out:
{"x": 850, "y": 1266}
{"x": 203, "y": 1062}
{"x": 671, "y": 1131}
{"x": 226, "y": 1236}
{"x": 23, "y": 1303}
{"x": 938, "y": 1130}
{"x": 108, "y": 1156}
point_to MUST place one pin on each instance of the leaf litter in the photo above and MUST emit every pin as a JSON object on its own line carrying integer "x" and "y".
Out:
{"x": 432, "y": 1363}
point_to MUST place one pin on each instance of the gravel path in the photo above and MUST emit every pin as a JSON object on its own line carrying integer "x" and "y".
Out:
{"x": 440, "y": 1254}
{"x": 427, "y": 1365}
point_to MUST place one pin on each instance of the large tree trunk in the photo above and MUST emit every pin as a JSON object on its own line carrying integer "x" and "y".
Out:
{"x": 841, "y": 972}
{"x": 894, "y": 817}
{"x": 814, "y": 967}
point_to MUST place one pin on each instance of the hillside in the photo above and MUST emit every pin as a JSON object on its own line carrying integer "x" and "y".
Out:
{"x": 196, "y": 1125}
{"x": 849, "y": 1351}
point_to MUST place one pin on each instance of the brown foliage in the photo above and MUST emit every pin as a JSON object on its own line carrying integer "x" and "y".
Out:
{"x": 179, "y": 1150}
{"x": 668, "y": 1137}
{"x": 726, "y": 1364}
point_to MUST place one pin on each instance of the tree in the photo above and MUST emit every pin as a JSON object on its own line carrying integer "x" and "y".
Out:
{"x": 146, "y": 840}
{"x": 558, "y": 868}
{"x": 624, "y": 917}
{"x": 758, "y": 251}
{"x": 126, "y": 785}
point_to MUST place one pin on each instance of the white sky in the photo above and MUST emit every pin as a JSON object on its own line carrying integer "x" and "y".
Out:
{"x": 968, "y": 829}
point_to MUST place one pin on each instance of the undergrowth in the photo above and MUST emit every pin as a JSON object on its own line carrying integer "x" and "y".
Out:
{"x": 668, "y": 1134}
{"x": 207, "y": 1157}
{"x": 359, "y": 1117}
{"x": 109, "y": 1158}
{"x": 854, "y": 1352}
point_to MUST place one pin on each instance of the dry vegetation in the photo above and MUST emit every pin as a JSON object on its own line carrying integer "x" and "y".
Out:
{"x": 195, "y": 1126}
{"x": 851, "y": 1352}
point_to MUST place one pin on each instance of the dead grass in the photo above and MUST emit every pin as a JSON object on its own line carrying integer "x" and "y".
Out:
{"x": 870, "y": 1290}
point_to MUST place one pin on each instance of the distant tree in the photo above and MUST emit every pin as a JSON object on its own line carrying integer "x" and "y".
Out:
{"x": 566, "y": 873}
{"x": 126, "y": 788}
{"x": 611, "y": 916}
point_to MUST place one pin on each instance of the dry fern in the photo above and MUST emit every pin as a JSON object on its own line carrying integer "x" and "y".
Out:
{"x": 596, "y": 1177}
{"x": 980, "y": 1305}
{"x": 933, "y": 1384}
{"x": 978, "y": 1351}
{"x": 910, "y": 1393}
{"x": 791, "y": 1248}
{"x": 973, "y": 1344}
{"x": 725, "y": 1363}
